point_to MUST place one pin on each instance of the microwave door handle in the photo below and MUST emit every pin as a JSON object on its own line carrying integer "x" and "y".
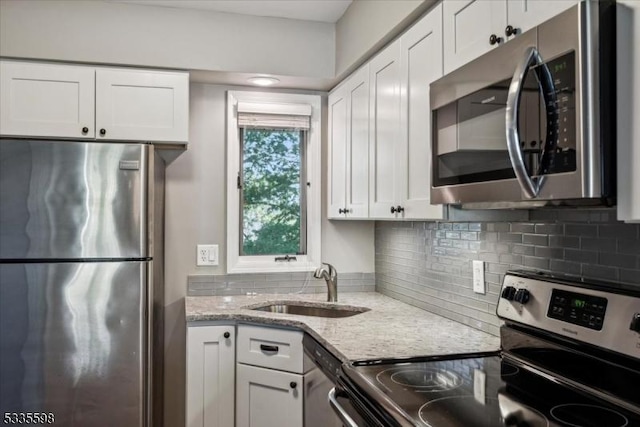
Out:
{"x": 529, "y": 186}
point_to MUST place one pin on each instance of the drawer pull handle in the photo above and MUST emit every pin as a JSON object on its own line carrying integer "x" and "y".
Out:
{"x": 269, "y": 348}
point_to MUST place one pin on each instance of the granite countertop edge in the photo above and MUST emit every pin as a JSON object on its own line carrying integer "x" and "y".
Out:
{"x": 390, "y": 329}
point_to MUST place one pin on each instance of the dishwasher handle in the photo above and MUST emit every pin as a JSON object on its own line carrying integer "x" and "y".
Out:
{"x": 339, "y": 410}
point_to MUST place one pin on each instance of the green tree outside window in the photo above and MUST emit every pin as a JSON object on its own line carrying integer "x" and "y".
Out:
{"x": 272, "y": 192}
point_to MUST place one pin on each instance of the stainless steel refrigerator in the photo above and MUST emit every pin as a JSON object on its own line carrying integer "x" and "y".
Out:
{"x": 81, "y": 289}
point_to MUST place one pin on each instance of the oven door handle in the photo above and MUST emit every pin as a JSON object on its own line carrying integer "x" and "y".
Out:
{"x": 339, "y": 410}
{"x": 530, "y": 186}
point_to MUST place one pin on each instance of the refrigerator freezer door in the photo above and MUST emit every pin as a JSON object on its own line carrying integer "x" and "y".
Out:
{"x": 72, "y": 200}
{"x": 73, "y": 341}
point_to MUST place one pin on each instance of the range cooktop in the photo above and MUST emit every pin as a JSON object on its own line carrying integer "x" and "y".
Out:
{"x": 484, "y": 391}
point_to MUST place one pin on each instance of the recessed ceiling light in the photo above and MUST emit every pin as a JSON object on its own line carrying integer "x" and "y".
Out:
{"x": 263, "y": 81}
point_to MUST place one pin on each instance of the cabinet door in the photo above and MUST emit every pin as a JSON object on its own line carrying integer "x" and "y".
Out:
{"x": 142, "y": 105}
{"x": 357, "y": 183}
{"x": 526, "y": 14}
{"x": 421, "y": 63}
{"x": 268, "y": 398}
{"x": 45, "y": 100}
{"x": 628, "y": 109}
{"x": 467, "y": 26}
{"x": 337, "y": 172}
{"x": 210, "y": 376}
{"x": 384, "y": 128}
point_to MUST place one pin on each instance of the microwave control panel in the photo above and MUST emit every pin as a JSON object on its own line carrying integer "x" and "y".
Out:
{"x": 561, "y": 115}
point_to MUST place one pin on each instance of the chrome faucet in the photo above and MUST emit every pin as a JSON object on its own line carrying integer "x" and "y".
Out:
{"x": 330, "y": 275}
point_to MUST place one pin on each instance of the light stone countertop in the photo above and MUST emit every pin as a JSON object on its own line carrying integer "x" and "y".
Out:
{"x": 390, "y": 329}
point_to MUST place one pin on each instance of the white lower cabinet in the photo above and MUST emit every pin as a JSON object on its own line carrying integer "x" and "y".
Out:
{"x": 210, "y": 376}
{"x": 270, "y": 377}
{"x": 268, "y": 398}
{"x": 277, "y": 384}
{"x": 257, "y": 377}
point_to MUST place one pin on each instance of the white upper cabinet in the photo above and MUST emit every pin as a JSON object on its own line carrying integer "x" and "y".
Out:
{"x": 420, "y": 64}
{"x": 628, "y": 110}
{"x": 473, "y": 27}
{"x": 522, "y": 15}
{"x": 81, "y": 102}
{"x": 357, "y": 192}
{"x": 349, "y": 148}
{"x": 337, "y": 153}
{"x": 384, "y": 131}
{"x": 45, "y": 100}
{"x": 142, "y": 105}
{"x": 468, "y": 26}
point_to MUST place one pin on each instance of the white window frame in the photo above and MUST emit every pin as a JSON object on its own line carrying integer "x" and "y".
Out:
{"x": 266, "y": 263}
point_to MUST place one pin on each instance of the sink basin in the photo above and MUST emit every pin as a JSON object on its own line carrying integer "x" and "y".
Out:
{"x": 333, "y": 311}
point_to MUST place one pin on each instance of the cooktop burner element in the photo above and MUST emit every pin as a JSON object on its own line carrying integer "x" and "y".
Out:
{"x": 428, "y": 379}
{"x": 581, "y": 415}
{"x": 460, "y": 410}
{"x": 506, "y": 370}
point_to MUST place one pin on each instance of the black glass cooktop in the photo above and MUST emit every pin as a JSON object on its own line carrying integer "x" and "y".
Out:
{"x": 480, "y": 392}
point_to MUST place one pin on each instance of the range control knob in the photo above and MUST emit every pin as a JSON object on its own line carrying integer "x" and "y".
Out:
{"x": 635, "y": 323}
{"x": 508, "y": 293}
{"x": 522, "y": 296}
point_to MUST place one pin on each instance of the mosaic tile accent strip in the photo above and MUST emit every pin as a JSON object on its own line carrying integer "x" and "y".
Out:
{"x": 275, "y": 283}
{"x": 428, "y": 264}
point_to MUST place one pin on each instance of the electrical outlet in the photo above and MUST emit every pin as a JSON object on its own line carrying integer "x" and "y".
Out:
{"x": 478, "y": 277}
{"x": 207, "y": 255}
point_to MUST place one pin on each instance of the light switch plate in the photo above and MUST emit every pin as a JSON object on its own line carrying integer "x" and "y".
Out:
{"x": 478, "y": 277}
{"x": 207, "y": 255}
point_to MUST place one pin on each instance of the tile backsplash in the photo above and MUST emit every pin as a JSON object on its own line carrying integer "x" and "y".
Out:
{"x": 428, "y": 264}
{"x": 275, "y": 283}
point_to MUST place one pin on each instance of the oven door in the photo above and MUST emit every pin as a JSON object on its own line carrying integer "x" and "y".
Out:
{"x": 344, "y": 409}
{"x": 356, "y": 409}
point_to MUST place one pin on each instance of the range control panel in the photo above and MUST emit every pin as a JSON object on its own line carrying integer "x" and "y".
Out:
{"x": 606, "y": 315}
{"x": 576, "y": 308}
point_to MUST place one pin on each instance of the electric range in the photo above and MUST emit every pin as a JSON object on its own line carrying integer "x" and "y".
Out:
{"x": 570, "y": 357}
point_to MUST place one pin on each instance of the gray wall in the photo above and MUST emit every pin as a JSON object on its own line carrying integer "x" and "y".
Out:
{"x": 142, "y": 35}
{"x": 428, "y": 264}
{"x": 367, "y": 25}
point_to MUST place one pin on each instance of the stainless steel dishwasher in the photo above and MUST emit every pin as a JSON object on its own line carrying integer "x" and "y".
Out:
{"x": 317, "y": 412}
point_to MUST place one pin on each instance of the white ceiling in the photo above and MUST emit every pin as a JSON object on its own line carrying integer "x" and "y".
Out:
{"x": 308, "y": 10}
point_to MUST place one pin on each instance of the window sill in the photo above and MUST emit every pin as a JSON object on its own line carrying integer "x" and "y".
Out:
{"x": 250, "y": 264}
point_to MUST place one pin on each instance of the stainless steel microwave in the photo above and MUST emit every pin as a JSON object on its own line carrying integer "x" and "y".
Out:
{"x": 532, "y": 122}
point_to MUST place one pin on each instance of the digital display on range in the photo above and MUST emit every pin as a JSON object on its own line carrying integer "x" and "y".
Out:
{"x": 584, "y": 310}
{"x": 578, "y": 303}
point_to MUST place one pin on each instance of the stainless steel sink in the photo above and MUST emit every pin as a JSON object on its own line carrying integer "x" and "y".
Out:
{"x": 309, "y": 310}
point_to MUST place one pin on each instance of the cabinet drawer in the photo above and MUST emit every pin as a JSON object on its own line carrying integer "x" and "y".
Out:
{"x": 272, "y": 348}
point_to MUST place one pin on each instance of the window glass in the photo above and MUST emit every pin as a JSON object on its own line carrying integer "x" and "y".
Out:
{"x": 273, "y": 187}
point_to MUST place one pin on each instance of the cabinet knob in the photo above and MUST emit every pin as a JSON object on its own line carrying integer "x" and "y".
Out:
{"x": 85, "y": 129}
{"x": 226, "y": 335}
{"x": 341, "y": 211}
{"x": 103, "y": 131}
{"x": 510, "y": 31}
{"x": 293, "y": 384}
{"x": 398, "y": 209}
{"x": 493, "y": 39}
